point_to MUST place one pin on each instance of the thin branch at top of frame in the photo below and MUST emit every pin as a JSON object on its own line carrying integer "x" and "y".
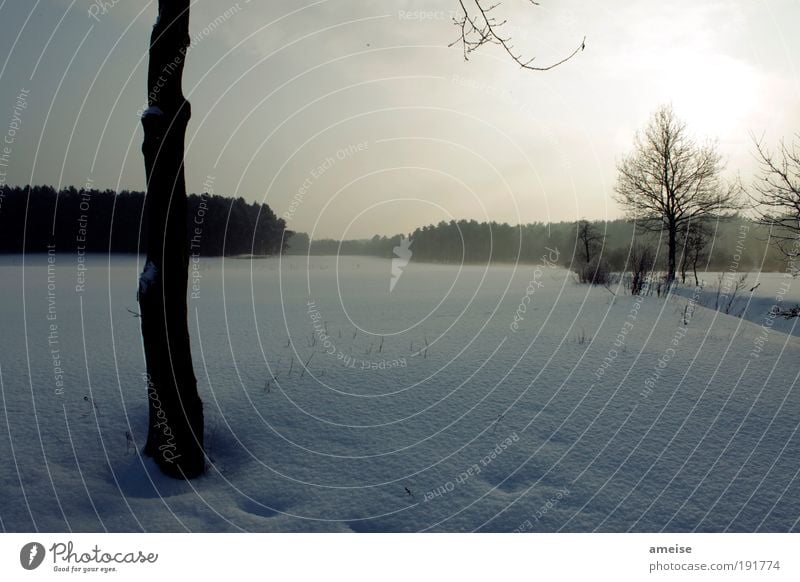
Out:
{"x": 478, "y": 26}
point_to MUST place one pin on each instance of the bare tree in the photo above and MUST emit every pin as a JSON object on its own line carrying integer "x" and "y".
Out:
{"x": 694, "y": 244}
{"x": 778, "y": 196}
{"x": 479, "y": 26}
{"x": 669, "y": 181}
{"x": 589, "y": 238}
{"x": 175, "y": 430}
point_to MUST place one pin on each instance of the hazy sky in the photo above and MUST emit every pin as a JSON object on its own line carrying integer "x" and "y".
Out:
{"x": 357, "y": 118}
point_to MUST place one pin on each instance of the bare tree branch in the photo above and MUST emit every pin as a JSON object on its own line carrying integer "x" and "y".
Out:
{"x": 777, "y": 194}
{"x": 478, "y": 27}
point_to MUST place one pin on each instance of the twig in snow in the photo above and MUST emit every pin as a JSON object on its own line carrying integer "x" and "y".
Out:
{"x": 305, "y": 366}
{"x": 496, "y": 422}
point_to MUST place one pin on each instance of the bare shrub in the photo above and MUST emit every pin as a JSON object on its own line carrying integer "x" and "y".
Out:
{"x": 640, "y": 264}
{"x": 595, "y": 272}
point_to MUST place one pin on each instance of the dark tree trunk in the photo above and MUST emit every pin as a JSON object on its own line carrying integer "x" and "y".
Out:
{"x": 671, "y": 252}
{"x": 175, "y": 431}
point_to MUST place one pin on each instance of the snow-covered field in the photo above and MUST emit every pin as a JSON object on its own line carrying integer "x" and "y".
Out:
{"x": 497, "y": 399}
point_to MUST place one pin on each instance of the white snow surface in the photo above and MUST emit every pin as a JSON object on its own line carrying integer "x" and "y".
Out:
{"x": 453, "y": 421}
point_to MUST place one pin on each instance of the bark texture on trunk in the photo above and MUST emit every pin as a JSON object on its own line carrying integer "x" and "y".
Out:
{"x": 175, "y": 430}
{"x": 671, "y": 253}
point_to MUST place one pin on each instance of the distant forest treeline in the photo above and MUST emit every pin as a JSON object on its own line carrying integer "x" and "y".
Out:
{"x": 103, "y": 221}
{"x": 474, "y": 242}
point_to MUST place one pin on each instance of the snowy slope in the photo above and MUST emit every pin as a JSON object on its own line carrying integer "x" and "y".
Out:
{"x": 501, "y": 399}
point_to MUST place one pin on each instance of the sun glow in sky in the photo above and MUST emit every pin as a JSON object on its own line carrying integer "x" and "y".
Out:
{"x": 279, "y": 89}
